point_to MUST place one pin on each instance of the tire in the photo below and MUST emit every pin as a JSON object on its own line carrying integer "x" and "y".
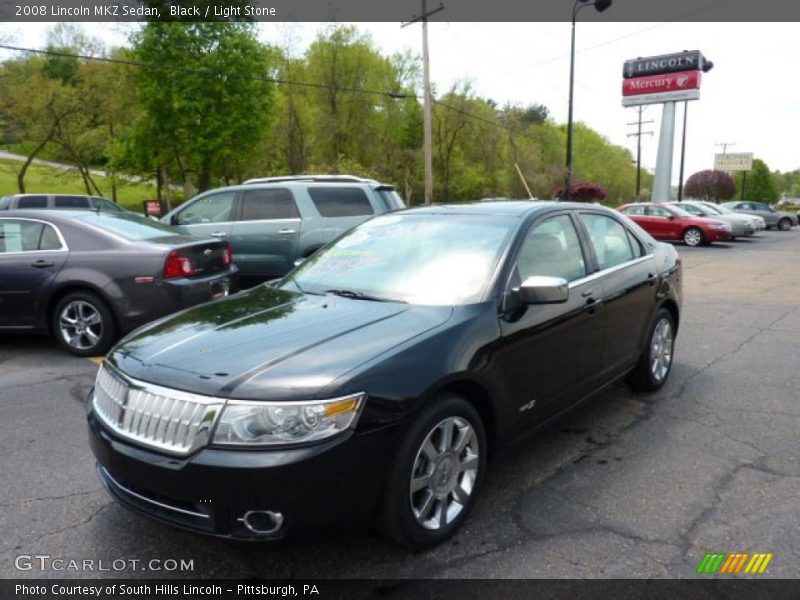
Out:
{"x": 785, "y": 224}
{"x": 693, "y": 236}
{"x": 647, "y": 376}
{"x": 414, "y": 518}
{"x": 83, "y": 324}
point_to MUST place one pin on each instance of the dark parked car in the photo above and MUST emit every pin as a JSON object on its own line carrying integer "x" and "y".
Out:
{"x": 669, "y": 222}
{"x": 88, "y": 276}
{"x": 273, "y": 221}
{"x": 373, "y": 381}
{"x": 62, "y": 201}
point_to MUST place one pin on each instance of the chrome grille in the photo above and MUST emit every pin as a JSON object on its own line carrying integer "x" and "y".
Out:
{"x": 168, "y": 420}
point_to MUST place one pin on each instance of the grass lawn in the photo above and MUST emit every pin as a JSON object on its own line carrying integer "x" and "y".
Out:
{"x": 42, "y": 179}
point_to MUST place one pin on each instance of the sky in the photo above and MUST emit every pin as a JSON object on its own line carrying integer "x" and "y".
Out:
{"x": 750, "y": 99}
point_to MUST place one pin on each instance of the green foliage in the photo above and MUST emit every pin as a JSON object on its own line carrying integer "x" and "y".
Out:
{"x": 760, "y": 183}
{"x": 211, "y": 116}
{"x": 207, "y": 121}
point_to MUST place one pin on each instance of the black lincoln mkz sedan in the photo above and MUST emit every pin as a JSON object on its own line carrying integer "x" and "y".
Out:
{"x": 370, "y": 384}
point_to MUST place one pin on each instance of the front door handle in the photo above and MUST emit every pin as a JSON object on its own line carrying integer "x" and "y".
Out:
{"x": 592, "y": 305}
{"x": 218, "y": 233}
{"x": 41, "y": 264}
{"x": 287, "y": 231}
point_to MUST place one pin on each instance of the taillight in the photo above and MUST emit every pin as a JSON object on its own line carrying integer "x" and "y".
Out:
{"x": 227, "y": 255}
{"x": 177, "y": 265}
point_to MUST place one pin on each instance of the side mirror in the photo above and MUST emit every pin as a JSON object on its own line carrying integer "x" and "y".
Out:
{"x": 540, "y": 289}
{"x": 173, "y": 220}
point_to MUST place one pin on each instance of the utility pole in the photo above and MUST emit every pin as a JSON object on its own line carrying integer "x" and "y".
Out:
{"x": 427, "y": 97}
{"x": 725, "y": 146}
{"x": 638, "y": 135}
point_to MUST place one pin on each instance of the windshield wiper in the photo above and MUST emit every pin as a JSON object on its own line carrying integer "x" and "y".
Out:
{"x": 360, "y": 296}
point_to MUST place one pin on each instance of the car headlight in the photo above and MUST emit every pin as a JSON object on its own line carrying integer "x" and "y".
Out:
{"x": 271, "y": 423}
{"x": 721, "y": 226}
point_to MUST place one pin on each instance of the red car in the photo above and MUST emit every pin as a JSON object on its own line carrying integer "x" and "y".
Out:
{"x": 668, "y": 222}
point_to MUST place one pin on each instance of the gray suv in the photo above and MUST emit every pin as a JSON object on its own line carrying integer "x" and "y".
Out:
{"x": 38, "y": 201}
{"x": 273, "y": 221}
{"x": 773, "y": 218}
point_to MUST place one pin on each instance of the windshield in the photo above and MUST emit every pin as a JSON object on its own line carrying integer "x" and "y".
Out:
{"x": 129, "y": 225}
{"x": 717, "y": 210}
{"x": 414, "y": 258}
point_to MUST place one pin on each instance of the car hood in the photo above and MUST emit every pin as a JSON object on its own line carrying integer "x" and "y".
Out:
{"x": 270, "y": 344}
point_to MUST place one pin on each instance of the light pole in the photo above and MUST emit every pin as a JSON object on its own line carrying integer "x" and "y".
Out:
{"x": 600, "y": 6}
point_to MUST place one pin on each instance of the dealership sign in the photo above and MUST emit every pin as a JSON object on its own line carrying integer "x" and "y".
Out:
{"x": 665, "y": 78}
{"x": 666, "y": 63}
{"x": 741, "y": 161}
{"x": 684, "y": 85}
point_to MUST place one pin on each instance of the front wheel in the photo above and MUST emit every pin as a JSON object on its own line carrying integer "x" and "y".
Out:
{"x": 693, "y": 237}
{"x": 438, "y": 468}
{"x": 83, "y": 324}
{"x": 655, "y": 362}
{"x": 785, "y": 224}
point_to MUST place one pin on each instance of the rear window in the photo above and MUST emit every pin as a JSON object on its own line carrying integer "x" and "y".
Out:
{"x": 130, "y": 226}
{"x": 340, "y": 201}
{"x": 32, "y": 202}
{"x": 71, "y": 202}
{"x": 269, "y": 203}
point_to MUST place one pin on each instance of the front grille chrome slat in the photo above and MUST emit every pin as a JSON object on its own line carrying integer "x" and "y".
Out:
{"x": 164, "y": 419}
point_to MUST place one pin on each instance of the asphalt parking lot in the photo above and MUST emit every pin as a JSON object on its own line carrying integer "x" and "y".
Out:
{"x": 628, "y": 486}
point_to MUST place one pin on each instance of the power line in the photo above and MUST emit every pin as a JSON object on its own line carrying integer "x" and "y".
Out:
{"x": 210, "y": 74}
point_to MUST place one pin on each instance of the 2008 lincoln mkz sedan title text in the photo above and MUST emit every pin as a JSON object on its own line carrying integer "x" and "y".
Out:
{"x": 370, "y": 384}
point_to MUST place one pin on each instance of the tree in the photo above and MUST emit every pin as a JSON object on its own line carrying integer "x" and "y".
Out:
{"x": 209, "y": 107}
{"x": 710, "y": 185}
{"x": 34, "y": 107}
{"x": 760, "y": 183}
{"x": 583, "y": 192}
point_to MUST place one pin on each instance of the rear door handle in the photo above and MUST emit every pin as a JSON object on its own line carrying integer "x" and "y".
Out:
{"x": 41, "y": 264}
{"x": 218, "y": 233}
{"x": 287, "y": 231}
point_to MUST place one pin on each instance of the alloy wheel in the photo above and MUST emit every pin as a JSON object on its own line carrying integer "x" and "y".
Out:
{"x": 444, "y": 474}
{"x": 661, "y": 349}
{"x": 81, "y": 325}
{"x": 693, "y": 237}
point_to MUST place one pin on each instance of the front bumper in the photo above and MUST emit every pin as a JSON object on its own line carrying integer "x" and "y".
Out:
{"x": 335, "y": 484}
{"x": 719, "y": 235}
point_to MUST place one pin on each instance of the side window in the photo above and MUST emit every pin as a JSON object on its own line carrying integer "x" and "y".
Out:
{"x": 49, "y": 239}
{"x": 267, "y": 204}
{"x": 32, "y": 202}
{"x": 71, "y": 202}
{"x": 340, "y": 201}
{"x": 610, "y": 240}
{"x": 215, "y": 208}
{"x": 657, "y": 211}
{"x": 552, "y": 248}
{"x": 634, "y": 210}
{"x": 20, "y": 236}
{"x": 636, "y": 245}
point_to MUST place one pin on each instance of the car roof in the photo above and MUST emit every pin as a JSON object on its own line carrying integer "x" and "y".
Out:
{"x": 512, "y": 208}
{"x": 56, "y": 215}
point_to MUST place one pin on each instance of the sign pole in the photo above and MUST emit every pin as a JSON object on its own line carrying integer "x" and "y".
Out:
{"x": 662, "y": 184}
{"x": 744, "y": 183}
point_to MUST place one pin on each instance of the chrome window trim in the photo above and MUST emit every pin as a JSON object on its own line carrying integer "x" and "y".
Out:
{"x": 64, "y": 247}
{"x": 608, "y": 271}
{"x": 150, "y": 500}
